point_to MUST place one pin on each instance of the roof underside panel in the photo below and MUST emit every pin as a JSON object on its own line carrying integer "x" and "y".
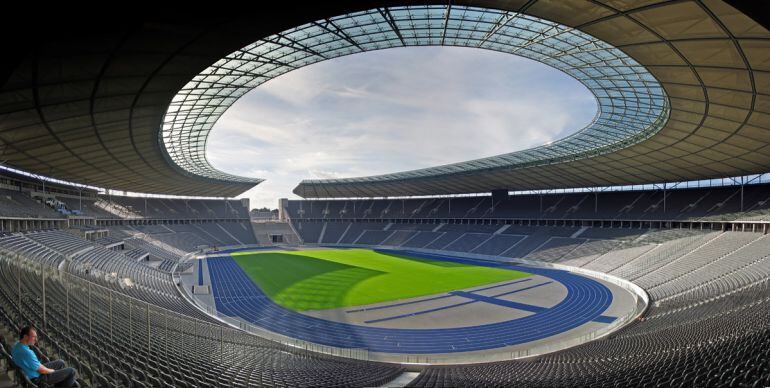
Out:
{"x": 83, "y": 100}
{"x": 86, "y": 102}
{"x": 713, "y": 65}
{"x": 632, "y": 105}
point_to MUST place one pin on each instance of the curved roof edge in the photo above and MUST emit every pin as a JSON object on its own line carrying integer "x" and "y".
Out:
{"x": 711, "y": 60}
{"x": 632, "y": 104}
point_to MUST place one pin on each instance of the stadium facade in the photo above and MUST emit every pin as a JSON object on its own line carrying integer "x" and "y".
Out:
{"x": 114, "y": 283}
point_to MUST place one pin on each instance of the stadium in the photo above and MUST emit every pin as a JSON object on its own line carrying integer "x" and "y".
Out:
{"x": 632, "y": 252}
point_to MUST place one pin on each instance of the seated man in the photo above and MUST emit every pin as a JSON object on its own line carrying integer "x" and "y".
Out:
{"x": 51, "y": 373}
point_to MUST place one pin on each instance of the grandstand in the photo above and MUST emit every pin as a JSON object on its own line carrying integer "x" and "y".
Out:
{"x": 727, "y": 203}
{"x": 642, "y": 238}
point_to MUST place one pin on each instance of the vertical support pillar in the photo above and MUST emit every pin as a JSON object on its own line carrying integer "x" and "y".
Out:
{"x": 742, "y": 185}
{"x": 541, "y": 205}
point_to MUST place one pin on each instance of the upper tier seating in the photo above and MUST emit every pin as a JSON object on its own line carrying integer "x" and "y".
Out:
{"x": 180, "y": 208}
{"x": 713, "y": 203}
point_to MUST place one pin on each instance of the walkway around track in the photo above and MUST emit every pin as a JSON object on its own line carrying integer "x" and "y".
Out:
{"x": 236, "y": 295}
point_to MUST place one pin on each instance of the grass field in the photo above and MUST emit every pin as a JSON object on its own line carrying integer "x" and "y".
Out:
{"x": 327, "y": 279}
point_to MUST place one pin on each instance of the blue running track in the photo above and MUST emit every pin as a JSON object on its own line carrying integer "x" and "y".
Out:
{"x": 236, "y": 295}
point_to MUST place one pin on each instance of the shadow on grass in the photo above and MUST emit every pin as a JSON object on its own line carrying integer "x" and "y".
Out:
{"x": 438, "y": 263}
{"x": 302, "y": 282}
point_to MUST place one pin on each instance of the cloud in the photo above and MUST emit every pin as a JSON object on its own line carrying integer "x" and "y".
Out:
{"x": 325, "y": 174}
{"x": 393, "y": 110}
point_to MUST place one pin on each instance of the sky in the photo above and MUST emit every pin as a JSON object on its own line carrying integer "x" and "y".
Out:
{"x": 393, "y": 110}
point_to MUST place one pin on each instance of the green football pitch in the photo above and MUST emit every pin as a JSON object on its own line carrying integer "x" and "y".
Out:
{"x": 332, "y": 278}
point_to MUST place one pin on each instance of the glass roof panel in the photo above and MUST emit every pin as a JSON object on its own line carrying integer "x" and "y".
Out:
{"x": 632, "y": 104}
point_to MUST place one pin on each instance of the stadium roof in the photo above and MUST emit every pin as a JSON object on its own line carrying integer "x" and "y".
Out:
{"x": 683, "y": 89}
